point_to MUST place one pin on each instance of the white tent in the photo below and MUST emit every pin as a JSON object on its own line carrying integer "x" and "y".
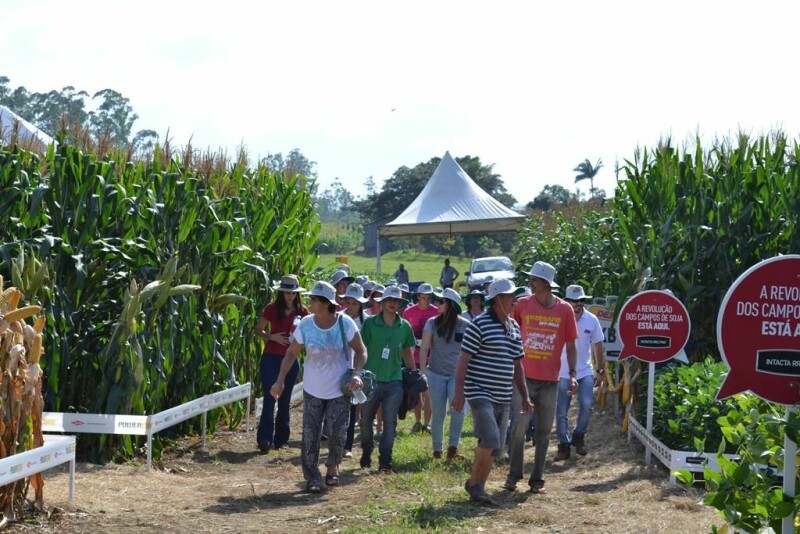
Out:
{"x": 451, "y": 203}
{"x": 14, "y": 127}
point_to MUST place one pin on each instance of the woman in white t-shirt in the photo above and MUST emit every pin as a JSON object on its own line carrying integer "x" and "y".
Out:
{"x": 333, "y": 347}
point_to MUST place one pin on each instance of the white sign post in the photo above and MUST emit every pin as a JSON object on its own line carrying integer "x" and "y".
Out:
{"x": 789, "y": 471}
{"x": 651, "y": 387}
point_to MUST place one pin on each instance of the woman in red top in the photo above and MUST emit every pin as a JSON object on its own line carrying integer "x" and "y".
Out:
{"x": 275, "y": 326}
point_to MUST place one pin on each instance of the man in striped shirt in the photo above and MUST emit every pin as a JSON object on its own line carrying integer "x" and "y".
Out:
{"x": 489, "y": 365}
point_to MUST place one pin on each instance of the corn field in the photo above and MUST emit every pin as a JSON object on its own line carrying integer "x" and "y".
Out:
{"x": 693, "y": 221}
{"x": 150, "y": 274}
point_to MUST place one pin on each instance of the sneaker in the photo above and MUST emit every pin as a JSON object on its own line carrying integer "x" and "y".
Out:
{"x": 426, "y": 428}
{"x": 477, "y": 494}
{"x": 366, "y": 460}
{"x": 578, "y": 443}
{"x": 416, "y": 428}
{"x": 452, "y": 453}
{"x": 536, "y": 489}
{"x": 264, "y": 446}
{"x": 510, "y": 485}
{"x": 437, "y": 455}
{"x": 348, "y": 454}
{"x": 562, "y": 454}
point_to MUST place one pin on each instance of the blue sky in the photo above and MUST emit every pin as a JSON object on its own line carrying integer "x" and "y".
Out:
{"x": 363, "y": 88}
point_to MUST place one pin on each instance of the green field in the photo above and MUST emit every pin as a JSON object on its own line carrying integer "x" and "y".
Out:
{"x": 421, "y": 267}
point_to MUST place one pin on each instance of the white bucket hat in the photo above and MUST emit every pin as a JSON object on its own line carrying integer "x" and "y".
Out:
{"x": 425, "y": 289}
{"x": 378, "y": 288}
{"x": 338, "y": 276}
{"x": 325, "y": 290}
{"x": 500, "y": 286}
{"x": 545, "y": 271}
{"x": 392, "y": 292}
{"x": 575, "y": 292}
{"x": 451, "y": 295}
{"x": 355, "y": 291}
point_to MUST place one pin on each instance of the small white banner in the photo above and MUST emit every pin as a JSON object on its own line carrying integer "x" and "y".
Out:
{"x": 140, "y": 425}
{"x": 89, "y": 423}
{"x": 55, "y": 451}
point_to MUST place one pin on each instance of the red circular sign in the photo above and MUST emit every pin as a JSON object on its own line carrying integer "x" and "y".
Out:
{"x": 758, "y": 331}
{"x": 653, "y": 327}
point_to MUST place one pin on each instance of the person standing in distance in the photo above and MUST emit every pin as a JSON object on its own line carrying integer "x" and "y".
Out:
{"x": 401, "y": 275}
{"x": 548, "y": 326}
{"x": 449, "y": 275}
{"x": 489, "y": 365}
{"x": 590, "y": 350}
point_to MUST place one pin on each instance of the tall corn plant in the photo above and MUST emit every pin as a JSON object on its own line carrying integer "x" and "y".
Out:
{"x": 150, "y": 273}
{"x": 695, "y": 220}
{"x": 574, "y": 242}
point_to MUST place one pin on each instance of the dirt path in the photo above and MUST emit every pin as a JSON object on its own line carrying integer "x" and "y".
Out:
{"x": 231, "y": 488}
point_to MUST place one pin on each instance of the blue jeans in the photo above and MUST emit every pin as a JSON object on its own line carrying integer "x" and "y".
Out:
{"x": 585, "y": 407}
{"x": 274, "y": 429}
{"x": 388, "y": 395}
{"x": 441, "y": 389}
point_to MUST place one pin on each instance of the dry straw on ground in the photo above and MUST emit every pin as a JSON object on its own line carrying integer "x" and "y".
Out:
{"x": 231, "y": 488}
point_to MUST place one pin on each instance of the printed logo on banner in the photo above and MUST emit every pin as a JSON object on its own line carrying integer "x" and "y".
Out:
{"x": 45, "y": 458}
{"x": 758, "y": 331}
{"x": 653, "y": 326}
{"x": 71, "y": 448}
{"x": 50, "y": 421}
{"x": 77, "y": 422}
{"x": 17, "y": 468}
{"x": 129, "y": 425}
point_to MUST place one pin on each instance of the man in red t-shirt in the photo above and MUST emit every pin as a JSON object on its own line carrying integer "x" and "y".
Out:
{"x": 548, "y": 325}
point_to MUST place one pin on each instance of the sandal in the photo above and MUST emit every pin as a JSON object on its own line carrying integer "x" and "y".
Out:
{"x": 313, "y": 487}
{"x": 331, "y": 480}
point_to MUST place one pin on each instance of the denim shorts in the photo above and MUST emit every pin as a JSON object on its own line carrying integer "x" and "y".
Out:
{"x": 489, "y": 422}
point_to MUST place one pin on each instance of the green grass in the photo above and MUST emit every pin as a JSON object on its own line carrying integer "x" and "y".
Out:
{"x": 425, "y": 495}
{"x": 422, "y": 267}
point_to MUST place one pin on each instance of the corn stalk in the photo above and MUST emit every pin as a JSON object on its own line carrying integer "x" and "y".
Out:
{"x": 21, "y": 401}
{"x": 695, "y": 220}
{"x": 89, "y": 236}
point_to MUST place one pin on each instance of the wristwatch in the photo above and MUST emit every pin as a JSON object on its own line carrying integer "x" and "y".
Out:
{"x": 572, "y": 373}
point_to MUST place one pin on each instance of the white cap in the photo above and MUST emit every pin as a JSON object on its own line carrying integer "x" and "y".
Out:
{"x": 355, "y": 291}
{"x": 575, "y": 292}
{"x": 325, "y": 290}
{"x": 501, "y": 286}
{"x": 545, "y": 271}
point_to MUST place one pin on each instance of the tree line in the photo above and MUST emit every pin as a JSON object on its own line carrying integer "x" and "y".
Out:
{"x": 107, "y": 114}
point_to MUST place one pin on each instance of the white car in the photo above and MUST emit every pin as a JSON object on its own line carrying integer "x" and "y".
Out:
{"x": 492, "y": 268}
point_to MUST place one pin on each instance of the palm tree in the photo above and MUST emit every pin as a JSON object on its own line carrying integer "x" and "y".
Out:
{"x": 585, "y": 170}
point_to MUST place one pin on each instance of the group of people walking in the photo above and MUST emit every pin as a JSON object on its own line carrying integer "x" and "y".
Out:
{"x": 505, "y": 354}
